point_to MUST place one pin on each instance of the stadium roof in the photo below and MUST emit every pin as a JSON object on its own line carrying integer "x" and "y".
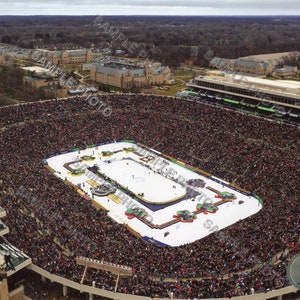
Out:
{"x": 267, "y": 83}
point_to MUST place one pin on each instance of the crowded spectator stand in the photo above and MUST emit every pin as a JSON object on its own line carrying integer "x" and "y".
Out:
{"x": 257, "y": 154}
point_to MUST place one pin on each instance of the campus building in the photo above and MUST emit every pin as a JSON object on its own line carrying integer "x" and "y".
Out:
{"x": 69, "y": 56}
{"x": 242, "y": 65}
{"x": 127, "y": 75}
{"x": 41, "y": 78}
{"x": 286, "y": 71}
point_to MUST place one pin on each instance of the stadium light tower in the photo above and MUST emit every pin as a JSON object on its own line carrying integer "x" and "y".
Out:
{"x": 118, "y": 270}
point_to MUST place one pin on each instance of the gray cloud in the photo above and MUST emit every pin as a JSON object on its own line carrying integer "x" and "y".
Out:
{"x": 255, "y": 4}
{"x": 136, "y": 6}
{"x": 171, "y": 3}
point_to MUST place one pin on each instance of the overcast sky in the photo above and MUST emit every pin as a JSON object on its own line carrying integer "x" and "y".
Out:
{"x": 150, "y": 7}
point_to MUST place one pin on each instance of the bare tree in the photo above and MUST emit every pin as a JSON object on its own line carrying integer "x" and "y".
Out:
{"x": 292, "y": 59}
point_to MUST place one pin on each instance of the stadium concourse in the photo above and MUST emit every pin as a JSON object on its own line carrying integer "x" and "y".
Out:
{"x": 47, "y": 220}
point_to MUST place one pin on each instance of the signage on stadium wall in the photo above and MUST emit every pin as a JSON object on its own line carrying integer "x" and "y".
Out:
{"x": 153, "y": 241}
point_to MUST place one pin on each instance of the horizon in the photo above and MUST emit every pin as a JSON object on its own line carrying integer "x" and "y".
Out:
{"x": 169, "y": 16}
{"x": 147, "y": 15}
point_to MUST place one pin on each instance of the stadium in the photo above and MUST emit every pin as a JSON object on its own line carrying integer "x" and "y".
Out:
{"x": 53, "y": 222}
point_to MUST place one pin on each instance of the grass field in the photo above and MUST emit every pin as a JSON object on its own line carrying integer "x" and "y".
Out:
{"x": 181, "y": 77}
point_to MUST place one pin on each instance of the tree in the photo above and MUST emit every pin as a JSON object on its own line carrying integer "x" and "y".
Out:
{"x": 292, "y": 59}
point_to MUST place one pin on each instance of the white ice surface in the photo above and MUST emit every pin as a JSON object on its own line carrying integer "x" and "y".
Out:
{"x": 158, "y": 186}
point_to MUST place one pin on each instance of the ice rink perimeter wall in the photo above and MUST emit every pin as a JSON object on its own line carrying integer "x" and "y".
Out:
{"x": 119, "y": 296}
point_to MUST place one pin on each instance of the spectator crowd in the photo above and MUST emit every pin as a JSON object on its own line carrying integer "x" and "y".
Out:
{"x": 48, "y": 219}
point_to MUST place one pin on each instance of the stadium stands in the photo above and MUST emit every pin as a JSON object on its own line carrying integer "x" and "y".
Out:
{"x": 257, "y": 154}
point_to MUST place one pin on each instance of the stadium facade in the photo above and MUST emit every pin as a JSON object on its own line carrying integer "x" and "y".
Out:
{"x": 279, "y": 99}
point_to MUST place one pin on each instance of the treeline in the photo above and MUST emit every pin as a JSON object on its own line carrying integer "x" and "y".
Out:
{"x": 11, "y": 86}
{"x": 172, "y": 40}
{"x": 11, "y": 80}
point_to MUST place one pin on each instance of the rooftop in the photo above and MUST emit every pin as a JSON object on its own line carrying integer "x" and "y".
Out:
{"x": 82, "y": 90}
{"x": 45, "y": 77}
{"x": 37, "y": 70}
{"x": 283, "y": 86}
{"x": 286, "y": 69}
{"x": 77, "y": 52}
{"x": 271, "y": 57}
{"x": 113, "y": 67}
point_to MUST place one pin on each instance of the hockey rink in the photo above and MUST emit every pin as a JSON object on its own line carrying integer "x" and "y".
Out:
{"x": 156, "y": 196}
